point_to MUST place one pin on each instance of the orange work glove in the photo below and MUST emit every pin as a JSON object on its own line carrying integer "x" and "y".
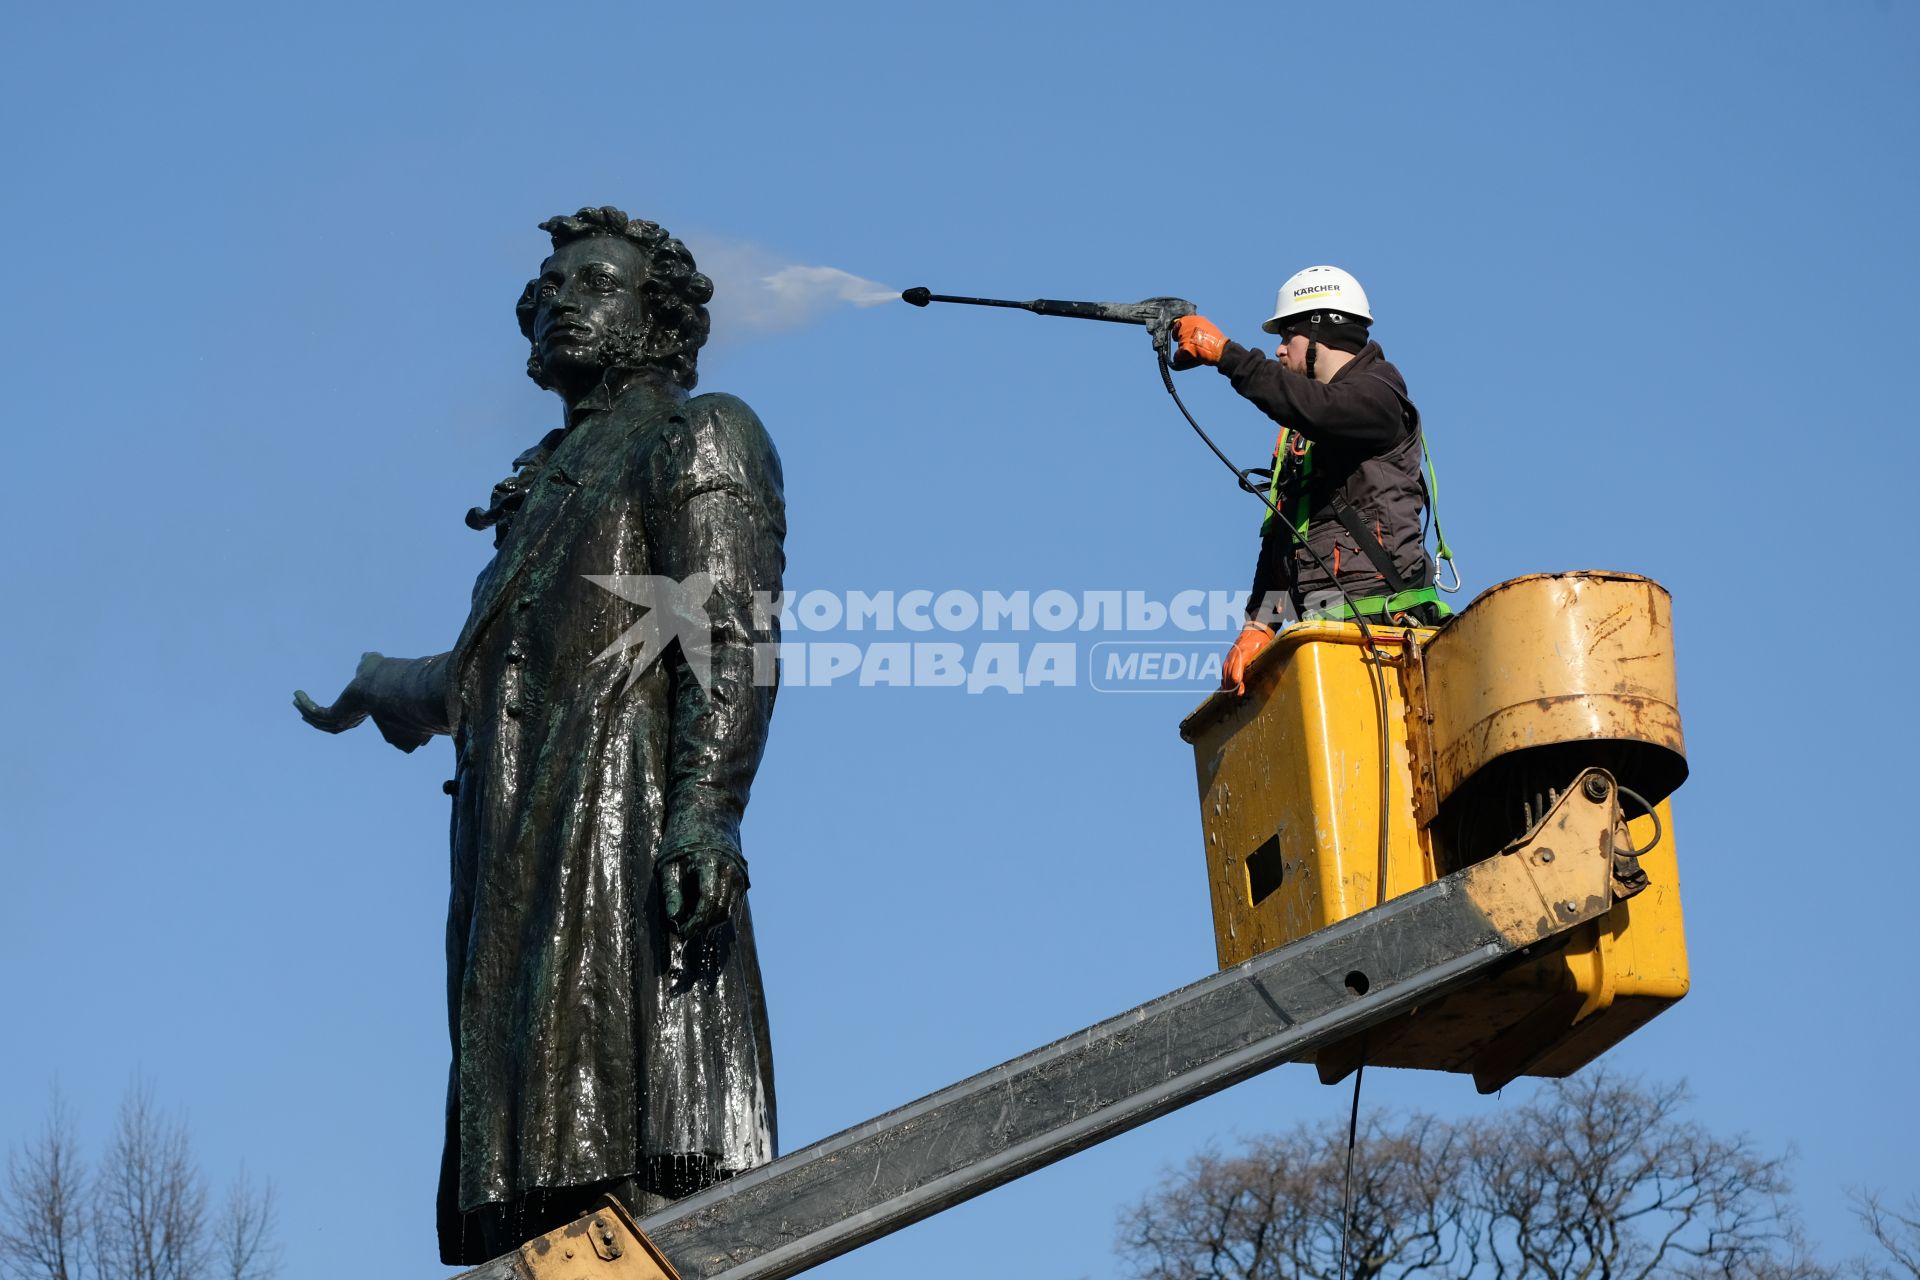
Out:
{"x": 1233, "y": 672}
{"x": 1201, "y": 341}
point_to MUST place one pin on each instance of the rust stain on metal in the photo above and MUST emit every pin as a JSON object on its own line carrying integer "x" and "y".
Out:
{"x": 1606, "y": 628}
{"x": 604, "y": 1245}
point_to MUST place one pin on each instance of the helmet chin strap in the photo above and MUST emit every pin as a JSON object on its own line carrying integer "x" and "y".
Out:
{"x": 1313, "y": 352}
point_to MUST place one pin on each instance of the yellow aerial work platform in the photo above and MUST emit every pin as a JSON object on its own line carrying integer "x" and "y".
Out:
{"x": 1487, "y": 721}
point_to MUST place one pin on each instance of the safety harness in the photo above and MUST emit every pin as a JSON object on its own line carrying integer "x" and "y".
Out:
{"x": 1292, "y": 464}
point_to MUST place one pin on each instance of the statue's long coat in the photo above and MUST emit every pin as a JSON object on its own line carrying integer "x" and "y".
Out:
{"x": 588, "y": 1038}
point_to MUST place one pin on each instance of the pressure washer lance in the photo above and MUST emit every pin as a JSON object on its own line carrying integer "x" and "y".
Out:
{"x": 1157, "y": 314}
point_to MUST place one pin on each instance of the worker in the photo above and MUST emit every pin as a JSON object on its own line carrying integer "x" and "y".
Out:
{"x": 1346, "y": 479}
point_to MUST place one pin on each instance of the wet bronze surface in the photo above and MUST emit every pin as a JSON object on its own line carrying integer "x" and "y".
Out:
{"x": 608, "y": 1026}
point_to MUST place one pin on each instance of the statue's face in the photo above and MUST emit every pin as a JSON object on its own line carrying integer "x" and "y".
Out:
{"x": 587, "y": 292}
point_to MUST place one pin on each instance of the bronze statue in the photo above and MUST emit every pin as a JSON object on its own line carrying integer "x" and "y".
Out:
{"x": 609, "y": 1029}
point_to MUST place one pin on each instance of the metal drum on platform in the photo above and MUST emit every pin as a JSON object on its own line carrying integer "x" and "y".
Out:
{"x": 1557, "y": 658}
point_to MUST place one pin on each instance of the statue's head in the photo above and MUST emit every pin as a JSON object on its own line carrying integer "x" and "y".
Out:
{"x": 617, "y": 293}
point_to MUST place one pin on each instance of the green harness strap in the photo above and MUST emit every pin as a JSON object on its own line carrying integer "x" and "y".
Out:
{"x": 1383, "y": 605}
{"x": 1442, "y": 550}
{"x": 1301, "y": 517}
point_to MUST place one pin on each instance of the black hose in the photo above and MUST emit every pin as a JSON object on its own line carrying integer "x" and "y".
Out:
{"x": 1641, "y": 800}
{"x": 1353, "y": 1134}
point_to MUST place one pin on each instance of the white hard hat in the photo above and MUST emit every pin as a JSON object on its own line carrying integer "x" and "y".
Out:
{"x": 1319, "y": 289}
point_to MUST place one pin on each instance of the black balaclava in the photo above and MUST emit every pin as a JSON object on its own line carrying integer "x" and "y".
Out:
{"x": 1335, "y": 329}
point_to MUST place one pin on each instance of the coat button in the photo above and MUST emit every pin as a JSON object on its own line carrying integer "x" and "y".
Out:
{"x": 515, "y": 653}
{"x": 514, "y": 710}
{"x": 451, "y": 786}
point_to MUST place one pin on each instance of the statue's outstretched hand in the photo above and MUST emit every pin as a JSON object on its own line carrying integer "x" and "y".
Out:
{"x": 349, "y": 709}
{"x": 700, "y": 889}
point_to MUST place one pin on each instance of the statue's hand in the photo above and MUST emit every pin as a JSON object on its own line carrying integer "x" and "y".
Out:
{"x": 349, "y": 709}
{"x": 700, "y": 889}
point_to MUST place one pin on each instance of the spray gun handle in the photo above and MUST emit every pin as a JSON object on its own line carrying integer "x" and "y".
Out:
{"x": 1160, "y": 315}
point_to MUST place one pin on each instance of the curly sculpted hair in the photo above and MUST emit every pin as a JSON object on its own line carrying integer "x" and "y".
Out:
{"x": 676, "y": 296}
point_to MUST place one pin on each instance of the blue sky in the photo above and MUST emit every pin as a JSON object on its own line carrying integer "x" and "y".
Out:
{"x": 1647, "y": 270}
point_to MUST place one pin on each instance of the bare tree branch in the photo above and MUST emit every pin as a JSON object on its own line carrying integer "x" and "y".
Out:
{"x": 245, "y": 1242}
{"x": 1599, "y": 1178}
{"x": 1897, "y": 1232}
{"x": 41, "y": 1203}
{"x": 144, "y": 1205}
{"x": 1275, "y": 1211}
{"x": 149, "y": 1187}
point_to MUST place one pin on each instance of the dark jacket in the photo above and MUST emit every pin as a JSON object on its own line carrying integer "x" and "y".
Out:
{"x": 1365, "y": 437}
